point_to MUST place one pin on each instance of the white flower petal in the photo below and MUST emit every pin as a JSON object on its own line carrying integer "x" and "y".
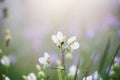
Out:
{"x": 45, "y": 60}
{"x": 75, "y": 45}
{"x": 88, "y": 78}
{"x": 5, "y": 61}
{"x": 71, "y": 39}
{"x": 42, "y": 61}
{"x": 95, "y": 75}
{"x": 55, "y": 39}
{"x": 59, "y": 35}
{"x": 72, "y": 69}
{"x": 7, "y": 78}
{"x": 31, "y": 76}
{"x": 46, "y": 55}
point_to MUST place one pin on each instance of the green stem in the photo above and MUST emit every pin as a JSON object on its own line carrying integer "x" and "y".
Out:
{"x": 59, "y": 74}
{"x": 63, "y": 62}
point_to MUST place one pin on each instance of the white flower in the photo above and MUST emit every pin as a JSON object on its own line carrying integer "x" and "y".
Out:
{"x": 7, "y": 78}
{"x": 58, "y": 39}
{"x": 94, "y": 76}
{"x": 72, "y": 43}
{"x": 88, "y": 78}
{"x": 72, "y": 70}
{"x": 45, "y": 60}
{"x": 5, "y": 61}
{"x": 31, "y": 76}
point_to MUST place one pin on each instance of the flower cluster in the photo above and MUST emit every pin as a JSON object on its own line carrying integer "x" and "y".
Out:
{"x": 65, "y": 72}
{"x": 61, "y": 42}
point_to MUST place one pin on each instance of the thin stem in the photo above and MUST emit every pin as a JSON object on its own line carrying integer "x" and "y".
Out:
{"x": 63, "y": 57}
{"x": 57, "y": 68}
{"x": 77, "y": 68}
{"x": 116, "y": 52}
{"x": 63, "y": 61}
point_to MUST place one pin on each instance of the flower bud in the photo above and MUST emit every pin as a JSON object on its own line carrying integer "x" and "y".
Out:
{"x": 7, "y": 37}
{"x": 38, "y": 67}
{"x": 112, "y": 74}
{"x": 68, "y": 56}
{"x": 41, "y": 74}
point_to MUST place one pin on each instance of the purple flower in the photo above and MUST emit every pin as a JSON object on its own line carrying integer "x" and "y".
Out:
{"x": 53, "y": 58}
{"x": 12, "y": 58}
{"x": 90, "y": 33}
{"x": 111, "y": 20}
{"x": 117, "y": 60}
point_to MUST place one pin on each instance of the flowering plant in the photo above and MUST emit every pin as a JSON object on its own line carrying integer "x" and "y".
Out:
{"x": 65, "y": 72}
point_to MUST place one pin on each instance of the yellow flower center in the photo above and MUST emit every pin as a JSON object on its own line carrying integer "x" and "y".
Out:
{"x": 64, "y": 38}
{"x": 7, "y": 32}
{"x": 48, "y": 60}
{"x": 72, "y": 42}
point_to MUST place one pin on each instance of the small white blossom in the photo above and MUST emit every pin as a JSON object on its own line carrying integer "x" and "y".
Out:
{"x": 72, "y": 43}
{"x": 45, "y": 60}
{"x": 7, "y": 78}
{"x": 58, "y": 39}
{"x": 5, "y": 61}
{"x": 94, "y": 76}
{"x": 31, "y": 76}
{"x": 72, "y": 70}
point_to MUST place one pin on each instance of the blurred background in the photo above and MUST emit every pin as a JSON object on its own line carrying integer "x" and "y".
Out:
{"x": 33, "y": 22}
